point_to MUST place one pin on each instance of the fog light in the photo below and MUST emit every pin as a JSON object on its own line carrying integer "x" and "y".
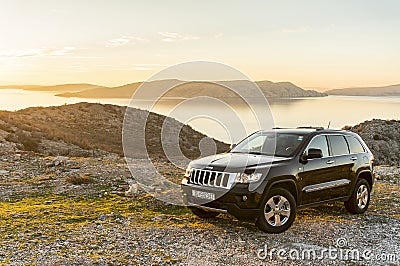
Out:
{"x": 244, "y": 198}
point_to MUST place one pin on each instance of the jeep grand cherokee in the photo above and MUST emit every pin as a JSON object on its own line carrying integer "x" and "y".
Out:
{"x": 270, "y": 174}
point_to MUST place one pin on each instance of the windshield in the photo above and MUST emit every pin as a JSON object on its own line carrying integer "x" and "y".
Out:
{"x": 273, "y": 144}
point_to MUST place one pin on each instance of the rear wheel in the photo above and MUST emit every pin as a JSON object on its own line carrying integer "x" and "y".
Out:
{"x": 278, "y": 211}
{"x": 359, "y": 200}
{"x": 203, "y": 213}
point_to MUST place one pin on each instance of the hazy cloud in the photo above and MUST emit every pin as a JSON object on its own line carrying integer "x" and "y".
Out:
{"x": 218, "y": 35}
{"x": 36, "y": 52}
{"x": 174, "y": 36}
{"x": 150, "y": 65}
{"x": 124, "y": 40}
{"x": 77, "y": 67}
{"x": 293, "y": 30}
{"x": 147, "y": 66}
{"x": 142, "y": 68}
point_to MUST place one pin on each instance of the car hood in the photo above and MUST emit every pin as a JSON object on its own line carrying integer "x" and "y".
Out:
{"x": 235, "y": 161}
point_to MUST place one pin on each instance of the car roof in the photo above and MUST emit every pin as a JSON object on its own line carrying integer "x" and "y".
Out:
{"x": 306, "y": 130}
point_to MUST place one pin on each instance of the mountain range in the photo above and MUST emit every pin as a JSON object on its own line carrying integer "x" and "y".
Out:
{"x": 189, "y": 89}
{"x": 180, "y": 89}
{"x": 391, "y": 90}
{"x": 197, "y": 88}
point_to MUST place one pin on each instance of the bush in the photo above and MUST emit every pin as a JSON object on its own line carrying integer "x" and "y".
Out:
{"x": 29, "y": 142}
{"x": 79, "y": 180}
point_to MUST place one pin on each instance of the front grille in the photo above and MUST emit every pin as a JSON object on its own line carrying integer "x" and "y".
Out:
{"x": 211, "y": 178}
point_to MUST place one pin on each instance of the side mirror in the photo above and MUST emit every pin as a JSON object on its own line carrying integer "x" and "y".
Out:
{"x": 314, "y": 153}
{"x": 311, "y": 154}
{"x": 233, "y": 145}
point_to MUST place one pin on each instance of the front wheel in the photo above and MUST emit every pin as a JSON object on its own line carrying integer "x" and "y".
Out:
{"x": 359, "y": 200}
{"x": 278, "y": 211}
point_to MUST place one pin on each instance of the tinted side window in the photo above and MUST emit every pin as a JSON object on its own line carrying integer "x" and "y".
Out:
{"x": 355, "y": 145}
{"x": 319, "y": 142}
{"x": 338, "y": 145}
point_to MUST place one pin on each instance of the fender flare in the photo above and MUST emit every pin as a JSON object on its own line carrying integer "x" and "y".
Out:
{"x": 275, "y": 182}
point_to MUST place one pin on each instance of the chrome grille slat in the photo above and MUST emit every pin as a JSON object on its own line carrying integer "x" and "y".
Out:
{"x": 211, "y": 178}
{"x": 222, "y": 180}
{"x": 215, "y": 180}
{"x": 196, "y": 175}
{"x": 201, "y": 177}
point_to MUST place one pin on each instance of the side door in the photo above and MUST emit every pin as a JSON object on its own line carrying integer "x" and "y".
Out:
{"x": 317, "y": 173}
{"x": 345, "y": 163}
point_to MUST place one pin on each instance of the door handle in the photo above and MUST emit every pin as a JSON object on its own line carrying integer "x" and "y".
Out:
{"x": 330, "y": 162}
{"x": 353, "y": 158}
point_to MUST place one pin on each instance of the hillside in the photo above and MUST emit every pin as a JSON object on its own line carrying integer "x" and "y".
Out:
{"x": 77, "y": 210}
{"x": 391, "y": 90}
{"x": 192, "y": 89}
{"x": 86, "y": 129}
{"x": 382, "y": 137}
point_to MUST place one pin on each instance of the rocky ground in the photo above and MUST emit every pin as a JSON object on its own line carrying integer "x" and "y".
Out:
{"x": 382, "y": 137}
{"x": 64, "y": 211}
{"x": 59, "y": 210}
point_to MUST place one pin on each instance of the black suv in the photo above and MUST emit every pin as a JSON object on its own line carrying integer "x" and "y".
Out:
{"x": 270, "y": 174}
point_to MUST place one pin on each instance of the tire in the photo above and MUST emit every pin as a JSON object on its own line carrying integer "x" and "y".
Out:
{"x": 203, "y": 213}
{"x": 359, "y": 199}
{"x": 277, "y": 220}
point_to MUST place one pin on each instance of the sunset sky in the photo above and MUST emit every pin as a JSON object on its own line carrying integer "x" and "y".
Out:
{"x": 312, "y": 43}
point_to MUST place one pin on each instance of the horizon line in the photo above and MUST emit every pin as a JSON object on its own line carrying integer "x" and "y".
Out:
{"x": 124, "y": 84}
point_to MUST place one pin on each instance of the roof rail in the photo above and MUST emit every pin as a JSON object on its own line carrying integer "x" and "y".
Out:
{"x": 311, "y": 127}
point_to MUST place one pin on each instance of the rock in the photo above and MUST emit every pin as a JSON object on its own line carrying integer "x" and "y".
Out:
{"x": 382, "y": 137}
{"x": 17, "y": 157}
{"x": 59, "y": 160}
{"x": 158, "y": 218}
{"x": 133, "y": 189}
{"x": 4, "y": 172}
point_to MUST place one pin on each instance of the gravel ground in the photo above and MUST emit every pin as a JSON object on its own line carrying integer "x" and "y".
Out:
{"x": 48, "y": 220}
{"x": 388, "y": 174}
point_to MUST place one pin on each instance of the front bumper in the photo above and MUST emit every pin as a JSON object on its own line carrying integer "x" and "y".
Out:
{"x": 237, "y": 201}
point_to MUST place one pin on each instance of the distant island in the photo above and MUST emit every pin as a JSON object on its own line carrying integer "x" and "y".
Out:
{"x": 197, "y": 88}
{"x": 181, "y": 89}
{"x": 75, "y": 87}
{"x": 391, "y": 90}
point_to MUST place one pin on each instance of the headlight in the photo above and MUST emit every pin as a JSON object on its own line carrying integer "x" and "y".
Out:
{"x": 188, "y": 170}
{"x": 247, "y": 178}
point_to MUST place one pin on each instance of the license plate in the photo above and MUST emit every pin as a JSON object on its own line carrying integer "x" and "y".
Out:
{"x": 203, "y": 195}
